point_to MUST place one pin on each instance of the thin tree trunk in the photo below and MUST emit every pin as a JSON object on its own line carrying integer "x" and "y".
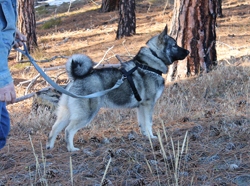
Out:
{"x": 27, "y": 22}
{"x": 127, "y": 19}
{"x": 193, "y": 26}
{"x": 109, "y": 5}
{"x": 219, "y": 9}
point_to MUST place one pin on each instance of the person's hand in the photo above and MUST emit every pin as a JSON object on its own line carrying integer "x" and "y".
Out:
{"x": 8, "y": 93}
{"x": 21, "y": 37}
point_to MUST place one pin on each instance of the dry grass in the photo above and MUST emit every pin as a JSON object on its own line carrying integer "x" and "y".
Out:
{"x": 213, "y": 108}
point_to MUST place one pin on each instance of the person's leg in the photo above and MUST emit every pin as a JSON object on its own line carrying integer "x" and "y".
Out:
{"x": 4, "y": 124}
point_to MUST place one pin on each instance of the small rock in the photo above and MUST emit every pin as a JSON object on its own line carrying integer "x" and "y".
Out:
{"x": 105, "y": 140}
{"x": 214, "y": 131}
{"x": 233, "y": 167}
{"x": 114, "y": 140}
{"x": 49, "y": 156}
{"x": 153, "y": 162}
{"x": 51, "y": 173}
{"x": 116, "y": 171}
{"x": 243, "y": 180}
{"x": 94, "y": 139}
{"x": 82, "y": 141}
{"x": 194, "y": 137}
{"x": 121, "y": 153}
{"x": 197, "y": 129}
{"x": 212, "y": 158}
{"x": 97, "y": 153}
{"x": 230, "y": 146}
{"x": 132, "y": 136}
{"x": 139, "y": 182}
{"x": 111, "y": 153}
{"x": 209, "y": 113}
{"x": 185, "y": 119}
{"x": 87, "y": 152}
{"x": 202, "y": 178}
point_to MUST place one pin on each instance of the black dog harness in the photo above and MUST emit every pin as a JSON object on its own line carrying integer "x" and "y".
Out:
{"x": 128, "y": 75}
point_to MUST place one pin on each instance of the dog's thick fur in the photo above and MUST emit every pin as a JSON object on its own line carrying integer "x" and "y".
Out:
{"x": 76, "y": 113}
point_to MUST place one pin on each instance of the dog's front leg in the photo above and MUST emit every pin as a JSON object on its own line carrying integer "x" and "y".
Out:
{"x": 145, "y": 115}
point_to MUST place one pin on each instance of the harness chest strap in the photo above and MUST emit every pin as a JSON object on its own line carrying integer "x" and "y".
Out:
{"x": 128, "y": 75}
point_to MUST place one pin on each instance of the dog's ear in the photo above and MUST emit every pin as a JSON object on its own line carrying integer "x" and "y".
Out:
{"x": 164, "y": 33}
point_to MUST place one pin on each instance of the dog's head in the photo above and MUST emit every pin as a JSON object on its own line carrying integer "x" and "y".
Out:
{"x": 166, "y": 48}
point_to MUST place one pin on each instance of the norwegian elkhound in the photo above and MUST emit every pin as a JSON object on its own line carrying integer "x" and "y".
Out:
{"x": 141, "y": 88}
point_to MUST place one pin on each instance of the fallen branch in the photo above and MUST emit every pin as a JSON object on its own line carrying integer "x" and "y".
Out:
{"x": 126, "y": 47}
{"x": 64, "y": 41}
{"x": 103, "y": 57}
{"x": 233, "y": 48}
{"x": 96, "y": 4}
{"x": 32, "y": 81}
{"x": 30, "y": 95}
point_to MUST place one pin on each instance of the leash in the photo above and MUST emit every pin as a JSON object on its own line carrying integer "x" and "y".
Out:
{"x": 59, "y": 88}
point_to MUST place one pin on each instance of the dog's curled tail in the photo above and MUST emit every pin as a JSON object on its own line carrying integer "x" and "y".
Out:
{"x": 78, "y": 66}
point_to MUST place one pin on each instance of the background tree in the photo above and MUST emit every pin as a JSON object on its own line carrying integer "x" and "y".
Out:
{"x": 27, "y": 23}
{"x": 193, "y": 26}
{"x": 127, "y": 21}
{"x": 219, "y": 9}
{"x": 109, "y": 5}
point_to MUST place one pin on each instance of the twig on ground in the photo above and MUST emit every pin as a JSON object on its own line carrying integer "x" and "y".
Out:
{"x": 103, "y": 57}
{"x": 118, "y": 57}
{"x": 64, "y": 41}
{"x": 96, "y": 4}
{"x": 126, "y": 47}
{"x": 32, "y": 81}
{"x": 69, "y": 5}
{"x": 165, "y": 7}
{"x": 233, "y": 48}
{"x": 54, "y": 68}
{"x": 58, "y": 75}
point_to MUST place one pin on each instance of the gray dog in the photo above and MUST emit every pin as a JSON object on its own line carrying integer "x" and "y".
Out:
{"x": 141, "y": 88}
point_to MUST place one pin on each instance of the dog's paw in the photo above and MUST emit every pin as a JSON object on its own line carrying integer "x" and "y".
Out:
{"x": 49, "y": 147}
{"x": 73, "y": 149}
{"x": 153, "y": 137}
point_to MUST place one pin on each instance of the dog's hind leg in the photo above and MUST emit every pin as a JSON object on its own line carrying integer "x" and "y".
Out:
{"x": 71, "y": 129}
{"x": 84, "y": 113}
{"x": 61, "y": 122}
{"x": 145, "y": 115}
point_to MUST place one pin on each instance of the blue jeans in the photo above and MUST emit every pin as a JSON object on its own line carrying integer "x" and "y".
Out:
{"x": 4, "y": 124}
{"x": 8, "y": 17}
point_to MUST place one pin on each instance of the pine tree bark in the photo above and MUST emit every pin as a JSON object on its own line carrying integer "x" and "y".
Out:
{"x": 219, "y": 9}
{"x": 193, "y": 26}
{"x": 26, "y": 22}
{"x": 127, "y": 21}
{"x": 109, "y": 5}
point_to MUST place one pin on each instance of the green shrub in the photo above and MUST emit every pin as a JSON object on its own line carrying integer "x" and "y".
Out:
{"x": 51, "y": 23}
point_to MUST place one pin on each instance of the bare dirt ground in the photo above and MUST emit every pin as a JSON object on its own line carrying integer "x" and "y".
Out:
{"x": 202, "y": 122}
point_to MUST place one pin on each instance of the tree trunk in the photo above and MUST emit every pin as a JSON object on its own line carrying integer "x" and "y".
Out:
{"x": 27, "y": 23}
{"x": 193, "y": 26}
{"x": 109, "y": 5}
{"x": 219, "y": 9}
{"x": 127, "y": 19}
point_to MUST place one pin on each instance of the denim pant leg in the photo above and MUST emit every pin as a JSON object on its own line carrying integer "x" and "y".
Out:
{"x": 4, "y": 124}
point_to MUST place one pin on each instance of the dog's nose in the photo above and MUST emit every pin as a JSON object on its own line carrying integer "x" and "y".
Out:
{"x": 187, "y": 52}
